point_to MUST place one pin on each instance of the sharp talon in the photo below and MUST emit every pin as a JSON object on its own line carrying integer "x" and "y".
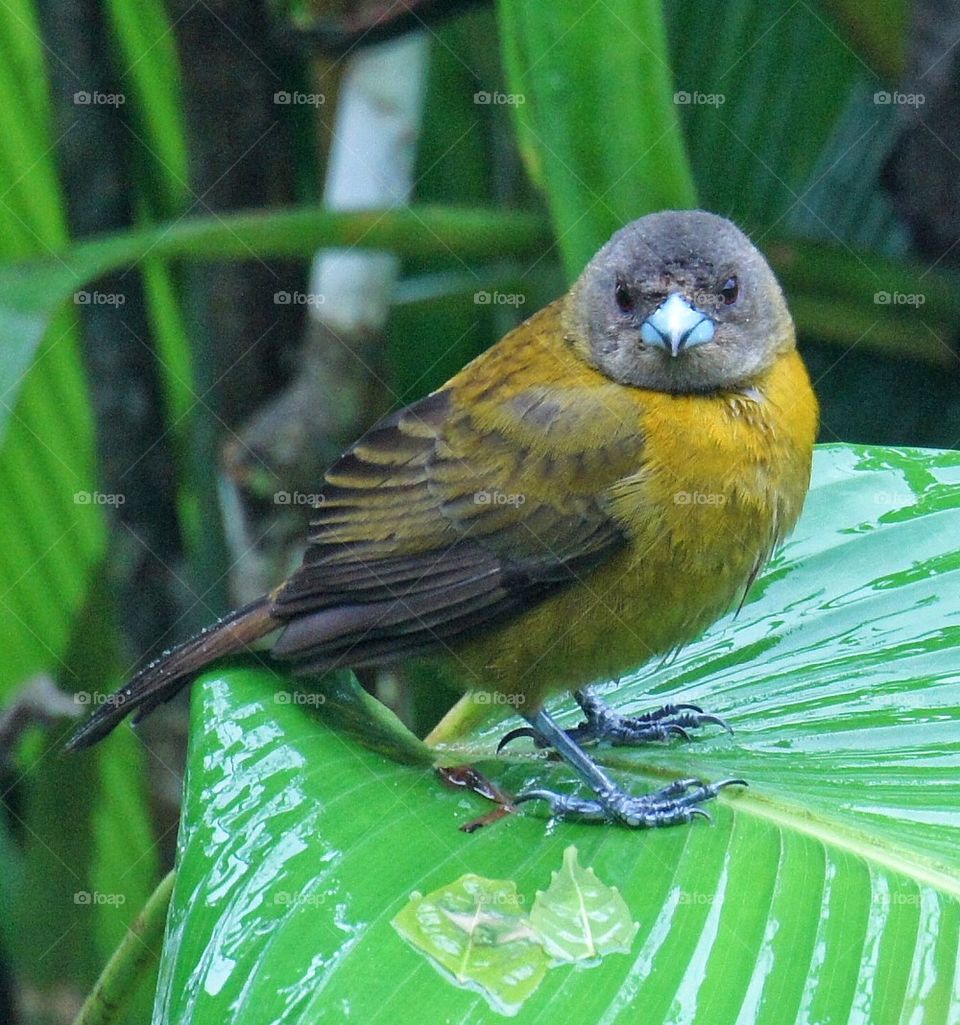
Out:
{"x": 700, "y": 813}
{"x": 521, "y": 731}
{"x": 691, "y": 708}
{"x": 535, "y": 795}
{"x": 678, "y": 731}
{"x": 717, "y": 721}
{"x": 735, "y": 781}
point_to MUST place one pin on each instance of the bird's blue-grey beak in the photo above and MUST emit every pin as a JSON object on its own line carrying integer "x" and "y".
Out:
{"x": 676, "y": 325}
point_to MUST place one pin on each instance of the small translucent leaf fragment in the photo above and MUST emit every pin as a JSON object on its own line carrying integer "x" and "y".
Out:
{"x": 476, "y": 931}
{"x": 580, "y": 918}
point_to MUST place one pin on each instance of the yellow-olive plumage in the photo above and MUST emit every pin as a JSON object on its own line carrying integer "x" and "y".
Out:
{"x": 588, "y": 494}
{"x": 701, "y": 486}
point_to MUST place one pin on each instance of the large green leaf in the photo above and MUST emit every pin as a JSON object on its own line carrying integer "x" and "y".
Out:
{"x": 827, "y": 892}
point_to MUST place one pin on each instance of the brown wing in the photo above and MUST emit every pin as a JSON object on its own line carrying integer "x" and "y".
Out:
{"x": 442, "y": 519}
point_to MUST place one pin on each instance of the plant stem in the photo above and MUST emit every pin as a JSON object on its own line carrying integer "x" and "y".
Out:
{"x": 137, "y": 953}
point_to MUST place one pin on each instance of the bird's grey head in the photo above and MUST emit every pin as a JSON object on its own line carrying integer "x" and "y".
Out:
{"x": 679, "y": 301}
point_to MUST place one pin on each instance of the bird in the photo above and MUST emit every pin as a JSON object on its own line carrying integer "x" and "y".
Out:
{"x": 585, "y": 496}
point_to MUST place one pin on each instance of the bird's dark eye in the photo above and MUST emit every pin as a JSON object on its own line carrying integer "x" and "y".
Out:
{"x": 624, "y": 298}
{"x": 729, "y": 290}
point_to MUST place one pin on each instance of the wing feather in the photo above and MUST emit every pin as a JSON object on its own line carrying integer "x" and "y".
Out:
{"x": 455, "y": 512}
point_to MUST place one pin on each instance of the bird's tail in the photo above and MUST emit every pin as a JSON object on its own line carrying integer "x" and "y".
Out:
{"x": 165, "y": 676}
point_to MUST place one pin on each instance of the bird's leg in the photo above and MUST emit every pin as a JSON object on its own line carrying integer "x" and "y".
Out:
{"x": 602, "y": 723}
{"x": 677, "y": 802}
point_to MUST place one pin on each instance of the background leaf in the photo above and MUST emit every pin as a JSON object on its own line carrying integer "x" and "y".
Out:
{"x": 596, "y": 123}
{"x": 738, "y": 87}
{"x": 78, "y": 867}
{"x": 31, "y": 292}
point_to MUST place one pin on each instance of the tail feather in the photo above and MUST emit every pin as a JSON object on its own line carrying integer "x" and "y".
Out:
{"x": 167, "y": 675}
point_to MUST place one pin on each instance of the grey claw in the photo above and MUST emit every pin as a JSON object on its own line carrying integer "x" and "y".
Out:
{"x": 716, "y": 720}
{"x": 536, "y": 795}
{"x": 680, "y": 786}
{"x": 733, "y": 781}
{"x": 674, "y": 803}
{"x": 562, "y": 805}
{"x": 521, "y": 731}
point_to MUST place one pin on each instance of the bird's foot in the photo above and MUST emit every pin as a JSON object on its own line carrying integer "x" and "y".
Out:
{"x": 678, "y": 802}
{"x": 602, "y": 723}
{"x": 675, "y": 803}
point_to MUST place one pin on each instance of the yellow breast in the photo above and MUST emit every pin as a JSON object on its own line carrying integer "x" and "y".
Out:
{"x": 722, "y": 480}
